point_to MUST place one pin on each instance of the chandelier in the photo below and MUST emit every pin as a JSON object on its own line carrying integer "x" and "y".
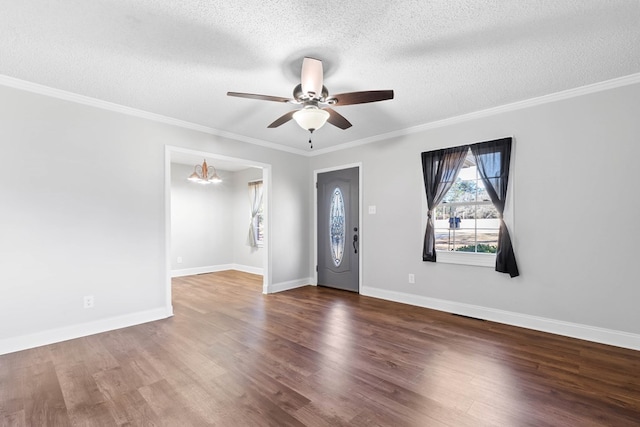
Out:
{"x": 202, "y": 175}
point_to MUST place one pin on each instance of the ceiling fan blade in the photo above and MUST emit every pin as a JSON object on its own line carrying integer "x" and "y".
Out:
{"x": 282, "y": 119}
{"x": 337, "y": 119}
{"x": 311, "y": 76}
{"x": 260, "y": 97}
{"x": 363, "y": 97}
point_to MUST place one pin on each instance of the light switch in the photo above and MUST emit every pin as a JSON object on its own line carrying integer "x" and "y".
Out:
{"x": 372, "y": 210}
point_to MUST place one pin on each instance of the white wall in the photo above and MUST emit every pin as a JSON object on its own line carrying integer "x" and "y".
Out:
{"x": 244, "y": 255}
{"x": 575, "y": 165}
{"x": 202, "y": 219}
{"x": 82, "y": 192}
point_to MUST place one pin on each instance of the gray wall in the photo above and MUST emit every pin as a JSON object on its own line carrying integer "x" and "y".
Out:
{"x": 575, "y": 206}
{"x": 83, "y": 213}
{"x": 202, "y": 218}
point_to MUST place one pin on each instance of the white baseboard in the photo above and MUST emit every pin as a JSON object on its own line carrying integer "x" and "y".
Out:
{"x": 285, "y": 286}
{"x": 10, "y": 345}
{"x": 215, "y": 268}
{"x": 201, "y": 270}
{"x": 574, "y": 330}
{"x": 248, "y": 269}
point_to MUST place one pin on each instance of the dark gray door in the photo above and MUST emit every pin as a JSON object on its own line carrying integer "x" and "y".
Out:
{"x": 338, "y": 229}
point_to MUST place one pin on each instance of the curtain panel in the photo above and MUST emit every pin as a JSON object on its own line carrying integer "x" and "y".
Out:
{"x": 440, "y": 169}
{"x": 492, "y": 160}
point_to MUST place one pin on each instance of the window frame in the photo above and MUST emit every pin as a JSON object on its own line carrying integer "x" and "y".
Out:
{"x": 477, "y": 259}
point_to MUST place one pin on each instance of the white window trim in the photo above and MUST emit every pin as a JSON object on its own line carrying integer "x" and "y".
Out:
{"x": 477, "y": 259}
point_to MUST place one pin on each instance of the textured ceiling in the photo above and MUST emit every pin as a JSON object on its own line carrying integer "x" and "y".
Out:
{"x": 443, "y": 58}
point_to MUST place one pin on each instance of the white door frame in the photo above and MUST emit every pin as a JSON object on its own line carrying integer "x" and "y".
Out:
{"x": 315, "y": 218}
{"x": 266, "y": 185}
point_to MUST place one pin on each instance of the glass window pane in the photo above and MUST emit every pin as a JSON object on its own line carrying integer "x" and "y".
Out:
{"x": 442, "y": 239}
{"x": 462, "y": 191}
{"x": 466, "y": 215}
{"x": 487, "y": 212}
{"x": 441, "y": 213}
{"x": 441, "y": 223}
{"x": 466, "y": 240}
{"x": 337, "y": 227}
{"x": 483, "y": 196}
{"x": 260, "y": 219}
{"x": 471, "y": 229}
{"x": 463, "y": 239}
{"x": 487, "y": 241}
{"x": 468, "y": 172}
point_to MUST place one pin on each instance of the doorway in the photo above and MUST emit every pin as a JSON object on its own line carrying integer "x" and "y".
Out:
{"x": 178, "y": 155}
{"x": 338, "y": 232}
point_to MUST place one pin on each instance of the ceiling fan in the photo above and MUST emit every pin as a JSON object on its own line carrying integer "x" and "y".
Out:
{"x": 316, "y": 103}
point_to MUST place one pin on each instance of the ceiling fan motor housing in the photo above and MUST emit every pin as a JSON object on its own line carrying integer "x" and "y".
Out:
{"x": 301, "y": 97}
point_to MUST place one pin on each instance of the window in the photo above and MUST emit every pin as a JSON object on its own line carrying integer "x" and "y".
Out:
{"x": 466, "y": 220}
{"x": 258, "y": 223}
{"x": 256, "y": 226}
{"x": 466, "y": 193}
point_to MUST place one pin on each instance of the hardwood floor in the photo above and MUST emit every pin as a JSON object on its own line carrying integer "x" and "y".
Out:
{"x": 318, "y": 357}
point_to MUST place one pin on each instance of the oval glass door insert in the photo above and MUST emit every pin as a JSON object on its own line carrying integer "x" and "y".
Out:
{"x": 337, "y": 227}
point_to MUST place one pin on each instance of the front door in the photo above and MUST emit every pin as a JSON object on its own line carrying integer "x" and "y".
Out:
{"x": 338, "y": 229}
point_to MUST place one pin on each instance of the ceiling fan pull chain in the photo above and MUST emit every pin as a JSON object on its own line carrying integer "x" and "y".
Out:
{"x": 310, "y": 134}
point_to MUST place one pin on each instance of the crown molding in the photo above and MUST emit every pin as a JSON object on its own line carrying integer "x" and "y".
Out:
{"x": 532, "y": 102}
{"x": 110, "y": 106}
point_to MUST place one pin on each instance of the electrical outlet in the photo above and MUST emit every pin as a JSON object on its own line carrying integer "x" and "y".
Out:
{"x": 88, "y": 301}
{"x": 412, "y": 278}
{"x": 179, "y": 260}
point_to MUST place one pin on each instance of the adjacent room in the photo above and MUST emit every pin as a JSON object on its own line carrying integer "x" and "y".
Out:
{"x": 285, "y": 213}
{"x": 217, "y": 215}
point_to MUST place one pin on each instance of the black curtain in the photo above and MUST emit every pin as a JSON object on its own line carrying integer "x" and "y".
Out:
{"x": 492, "y": 160}
{"x": 440, "y": 169}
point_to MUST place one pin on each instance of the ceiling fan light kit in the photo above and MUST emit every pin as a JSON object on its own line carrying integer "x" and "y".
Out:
{"x": 311, "y": 118}
{"x": 315, "y": 100}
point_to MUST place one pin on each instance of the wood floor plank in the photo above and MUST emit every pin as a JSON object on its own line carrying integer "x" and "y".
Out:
{"x": 94, "y": 415}
{"x": 131, "y": 409}
{"x": 169, "y": 405}
{"x": 315, "y": 356}
{"x": 78, "y": 387}
{"x": 15, "y": 419}
{"x": 43, "y": 398}
{"x": 12, "y": 390}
